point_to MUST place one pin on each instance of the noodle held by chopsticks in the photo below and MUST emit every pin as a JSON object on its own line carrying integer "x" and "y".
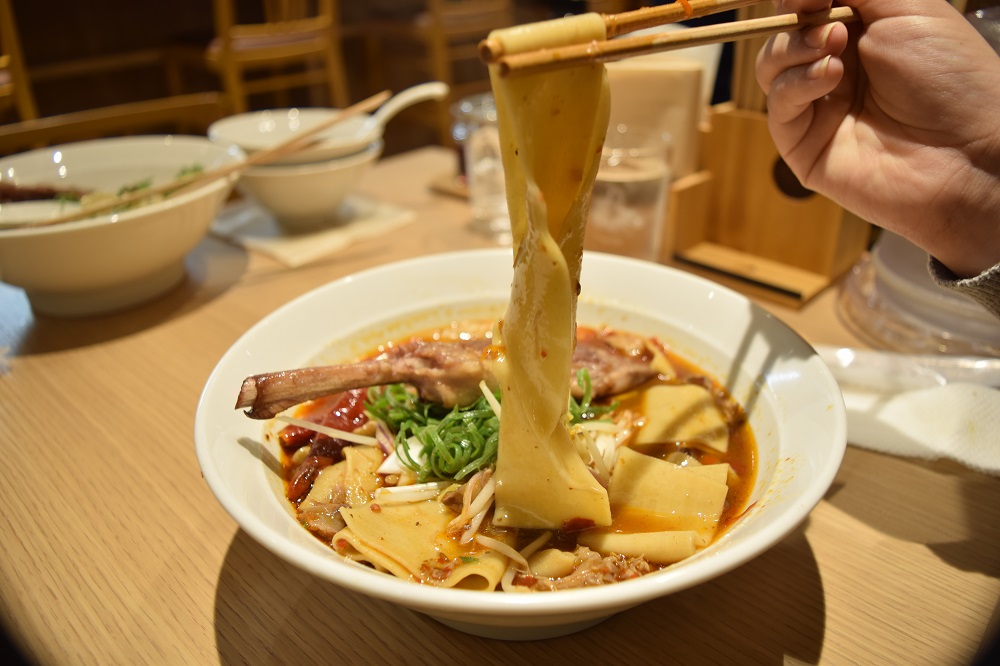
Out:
{"x": 551, "y": 58}
{"x": 541, "y": 479}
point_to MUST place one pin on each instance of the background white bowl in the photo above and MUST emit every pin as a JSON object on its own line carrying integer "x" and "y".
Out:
{"x": 110, "y": 261}
{"x": 261, "y": 130}
{"x": 794, "y": 405}
{"x": 306, "y": 196}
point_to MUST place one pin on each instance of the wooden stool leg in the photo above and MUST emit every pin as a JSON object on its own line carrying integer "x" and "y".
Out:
{"x": 173, "y": 69}
{"x": 376, "y": 63}
{"x": 441, "y": 67}
{"x": 232, "y": 82}
{"x": 24, "y": 100}
{"x": 336, "y": 75}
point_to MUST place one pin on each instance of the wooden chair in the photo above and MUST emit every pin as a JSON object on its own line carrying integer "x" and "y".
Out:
{"x": 298, "y": 45}
{"x": 189, "y": 114}
{"x": 15, "y": 89}
{"x": 446, "y": 35}
{"x": 613, "y": 6}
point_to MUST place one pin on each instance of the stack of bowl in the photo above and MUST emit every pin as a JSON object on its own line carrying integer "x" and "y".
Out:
{"x": 303, "y": 190}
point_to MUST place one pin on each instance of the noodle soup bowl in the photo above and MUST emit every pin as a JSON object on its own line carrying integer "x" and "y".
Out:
{"x": 793, "y": 403}
{"x": 117, "y": 259}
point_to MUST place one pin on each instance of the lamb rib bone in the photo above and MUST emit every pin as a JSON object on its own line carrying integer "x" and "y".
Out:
{"x": 447, "y": 372}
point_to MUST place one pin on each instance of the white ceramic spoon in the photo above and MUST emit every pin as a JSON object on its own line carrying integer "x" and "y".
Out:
{"x": 374, "y": 125}
{"x": 351, "y": 138}
{"x": 260, "y": 130}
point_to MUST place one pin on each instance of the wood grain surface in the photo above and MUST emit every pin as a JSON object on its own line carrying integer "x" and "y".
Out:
{"x": 114, "y": 551}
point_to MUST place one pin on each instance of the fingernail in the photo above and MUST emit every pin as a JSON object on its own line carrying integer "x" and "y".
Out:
{"x": 817, "y": 70}
{"x": 817, "y": 38}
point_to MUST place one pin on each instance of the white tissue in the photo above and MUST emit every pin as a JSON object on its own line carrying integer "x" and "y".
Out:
{"x": 958, "y": 421}
{"x": 361, "y": 219}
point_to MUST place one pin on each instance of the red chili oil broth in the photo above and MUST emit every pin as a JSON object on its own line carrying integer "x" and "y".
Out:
{"x": 741, "y": 453}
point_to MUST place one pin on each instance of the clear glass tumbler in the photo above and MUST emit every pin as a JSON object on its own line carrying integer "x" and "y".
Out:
{"x": 475, "y": 120}
{"x": 629, "y": 201}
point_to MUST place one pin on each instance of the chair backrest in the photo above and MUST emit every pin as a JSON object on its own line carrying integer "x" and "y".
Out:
{"x": 291, "y": 19}
{"x": 470, "y": 17}
{"x": 191, "y": 114}
{"x": 14, "y": 82}
{"x": 447, "y": 33}
{"x": 455, "y": 28}
{"x": 287, "y": 32}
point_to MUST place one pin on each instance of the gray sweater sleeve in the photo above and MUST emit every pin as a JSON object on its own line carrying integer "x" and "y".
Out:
{"x": 984, "y": 288}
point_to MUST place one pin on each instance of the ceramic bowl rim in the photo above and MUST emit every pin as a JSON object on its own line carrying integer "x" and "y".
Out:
{"x": 371, "y": 151}
{"x": 235, "y": 153}
{"x": 483, "y": 605}
{"x": 221, "y": 129}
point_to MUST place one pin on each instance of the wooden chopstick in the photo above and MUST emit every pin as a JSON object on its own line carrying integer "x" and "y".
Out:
{"x": 622, "y": 23}
{"x": 649, "y": 17}
{"x": 288, "y": 147}
{"x": 608, "y": 51}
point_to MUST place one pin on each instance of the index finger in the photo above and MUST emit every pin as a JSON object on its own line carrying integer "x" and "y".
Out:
{"x": 802, "y": 6}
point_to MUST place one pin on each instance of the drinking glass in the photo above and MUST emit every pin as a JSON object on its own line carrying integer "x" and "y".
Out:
{"x": 629, "y": 200}
{"x": 475, "y": 122}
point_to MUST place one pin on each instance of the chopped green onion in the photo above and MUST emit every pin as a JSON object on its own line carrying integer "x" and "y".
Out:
{"x": 584, "y": 410}
{"x": 135, "y": 187}
{"x": 453, "y": 444}
{"x": 190, "y": 170}
{"x": 456, "y": 443}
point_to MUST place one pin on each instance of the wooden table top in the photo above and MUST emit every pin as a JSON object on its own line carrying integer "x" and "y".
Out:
{"x": 116, "y": 552}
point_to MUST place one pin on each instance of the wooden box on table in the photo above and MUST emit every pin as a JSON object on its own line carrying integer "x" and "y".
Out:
{"x": 745, "y": 219}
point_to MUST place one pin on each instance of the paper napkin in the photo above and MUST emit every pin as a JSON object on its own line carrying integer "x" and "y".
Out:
{"x": 958, "y": 421}
{"x": 359, "y": 218}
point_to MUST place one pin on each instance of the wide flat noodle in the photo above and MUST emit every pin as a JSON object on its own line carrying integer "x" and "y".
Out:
{"x": 408, "y": 541}
{"x": 552, "y": 128}
{"x": 659, "y": 496}
{"x": 659, "y": 547}
{"x": 683, "y": 413}
{"x": 353, "y": 477}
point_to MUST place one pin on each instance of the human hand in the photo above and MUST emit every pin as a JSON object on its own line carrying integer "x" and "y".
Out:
{"x": 896, "y": 119}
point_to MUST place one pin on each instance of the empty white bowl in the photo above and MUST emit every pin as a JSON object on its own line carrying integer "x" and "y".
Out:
{"x": 115, "y": 260}
{"x": 793, "y": 403}
{"x": 262, "y": 130}
{"x": 305, "y": 197}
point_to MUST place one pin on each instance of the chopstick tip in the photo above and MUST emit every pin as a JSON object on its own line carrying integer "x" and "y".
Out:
{"x": 490, "y": 50}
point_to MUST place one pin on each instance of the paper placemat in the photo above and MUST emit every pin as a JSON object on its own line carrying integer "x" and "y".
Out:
{"x": 359, "y": 218}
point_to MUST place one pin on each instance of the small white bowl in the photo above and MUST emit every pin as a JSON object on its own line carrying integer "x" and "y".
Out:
{"x": 305, "y": 197}
{"x": 261, "y": 130}
{"x": 116, "y": 260}
{"x": 793, "y": 403}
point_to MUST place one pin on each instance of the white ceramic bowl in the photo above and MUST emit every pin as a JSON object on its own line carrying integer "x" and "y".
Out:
{"x": 304, "y": 197}
{"x": 110, "y": 261}
{"x": 793, "y": 403}
{"x": 261, "y": 130}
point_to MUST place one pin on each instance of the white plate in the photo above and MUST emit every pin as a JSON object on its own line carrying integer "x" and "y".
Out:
{"x": 793, "y": 403}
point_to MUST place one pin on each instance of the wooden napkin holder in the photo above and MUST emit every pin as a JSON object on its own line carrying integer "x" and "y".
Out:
{"x": 744, "y": 219}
